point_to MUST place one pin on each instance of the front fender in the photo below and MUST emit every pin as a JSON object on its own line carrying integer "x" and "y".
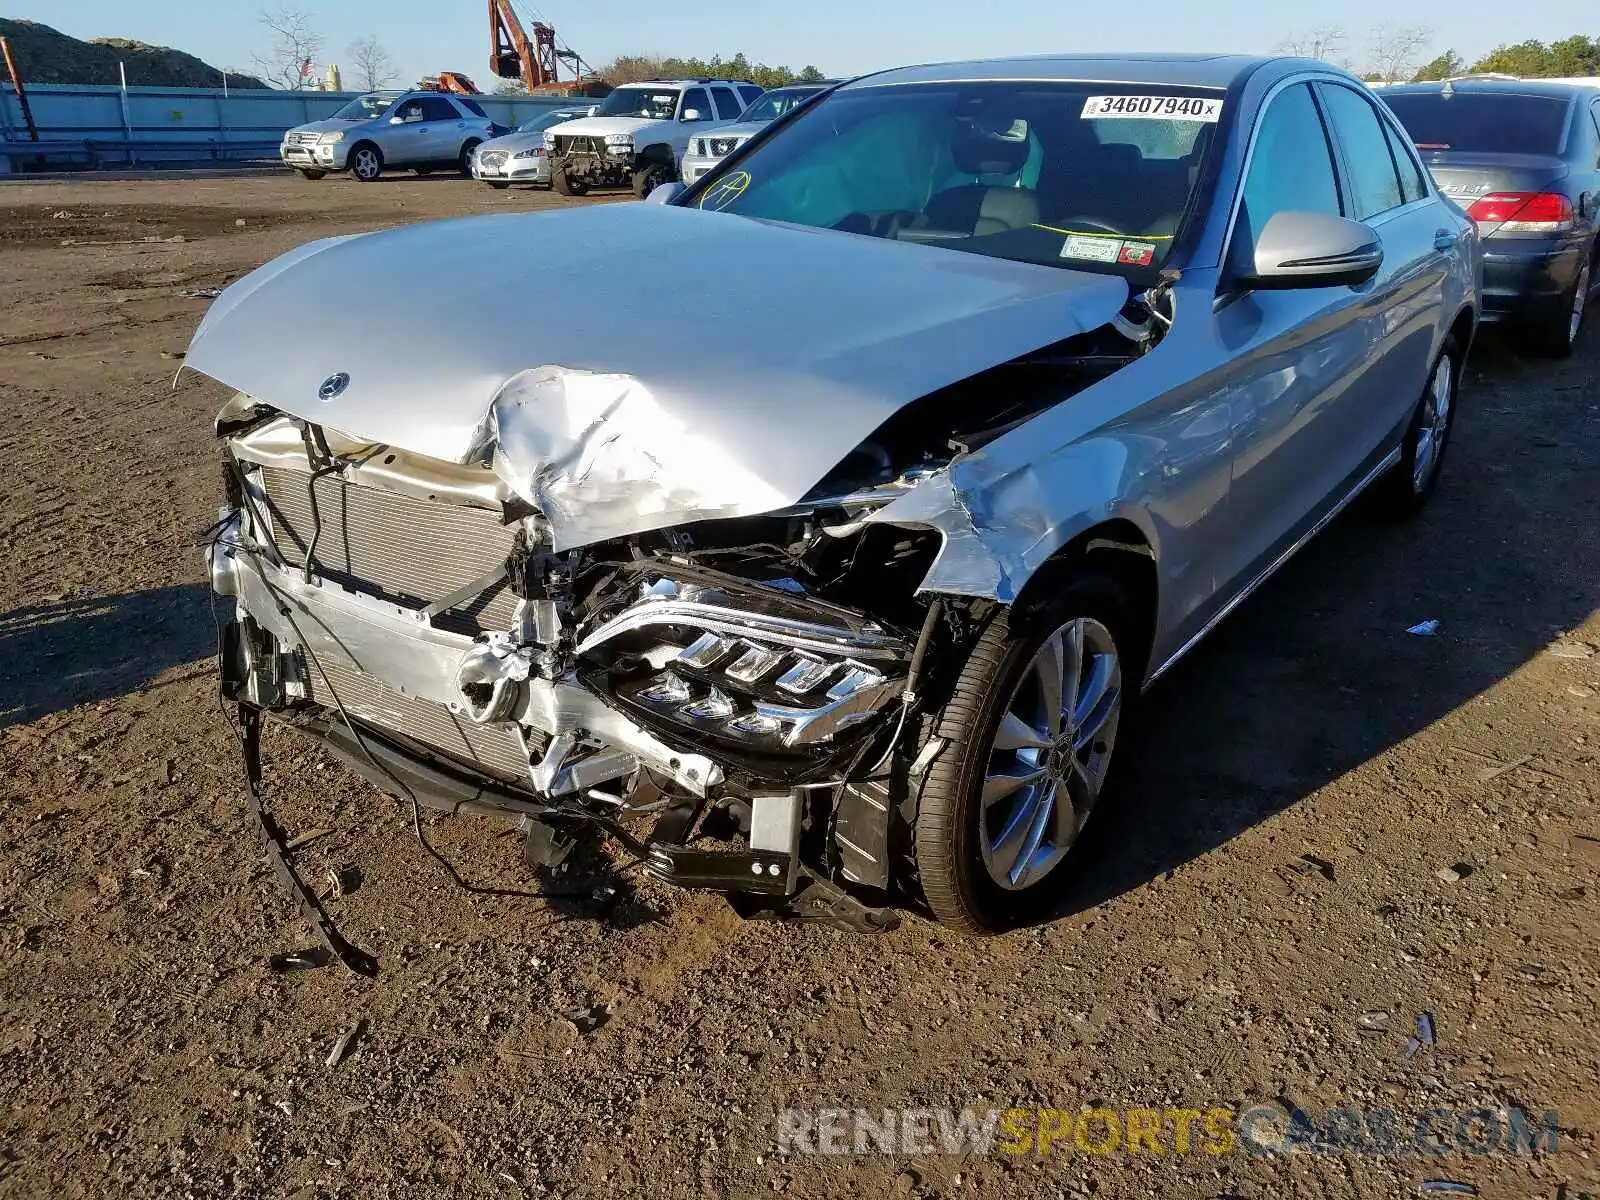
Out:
{"x": 1000, "y": 524}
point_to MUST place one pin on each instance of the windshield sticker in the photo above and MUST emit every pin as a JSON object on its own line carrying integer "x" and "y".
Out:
{"x": 1152, "y": 108}
{"x": 726, "y": 191}
{"x": 1091, "y": 249}
{"x": 1137, "y": 254}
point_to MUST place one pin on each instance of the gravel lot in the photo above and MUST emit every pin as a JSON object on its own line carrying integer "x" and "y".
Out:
{"x": 1328, "y": 817}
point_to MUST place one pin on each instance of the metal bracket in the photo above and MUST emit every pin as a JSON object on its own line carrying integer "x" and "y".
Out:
{"x": 276, "y": 848}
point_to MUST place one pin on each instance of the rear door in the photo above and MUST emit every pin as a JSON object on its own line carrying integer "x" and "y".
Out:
{"x": 443, "y": 131}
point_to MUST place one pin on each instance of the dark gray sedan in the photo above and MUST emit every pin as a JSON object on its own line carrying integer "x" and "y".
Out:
{"x": 1522, "y": 156}
{"x": 839, "y": 599}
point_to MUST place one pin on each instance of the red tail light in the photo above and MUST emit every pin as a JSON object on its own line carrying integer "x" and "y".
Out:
{"x": 1523, "y": 212}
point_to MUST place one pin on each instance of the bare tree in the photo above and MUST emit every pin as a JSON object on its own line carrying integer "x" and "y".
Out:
{"x": 292, "y": 48}
{"x": 1393, "y": 51}
{"x": 1323, "y": 42}
{"x": 371, "y": 63}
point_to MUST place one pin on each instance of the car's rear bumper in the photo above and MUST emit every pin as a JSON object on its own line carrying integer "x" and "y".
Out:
{"x": 1526, "y": 278}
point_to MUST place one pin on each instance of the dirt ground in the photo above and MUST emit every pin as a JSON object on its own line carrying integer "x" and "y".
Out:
{"x": 1328, "y": 817}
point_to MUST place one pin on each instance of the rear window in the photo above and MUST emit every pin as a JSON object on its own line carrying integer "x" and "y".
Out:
{"x": 1482, "y": 123}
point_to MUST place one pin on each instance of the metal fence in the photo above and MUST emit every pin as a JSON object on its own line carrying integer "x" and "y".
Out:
{"x": 102, "y": 125}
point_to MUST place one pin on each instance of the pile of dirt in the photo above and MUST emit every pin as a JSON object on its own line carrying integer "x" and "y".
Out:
{"x": 45, "y": 55}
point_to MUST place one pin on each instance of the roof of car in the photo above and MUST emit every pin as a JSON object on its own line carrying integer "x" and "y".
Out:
{"x": 1185, "y": 70}
{"x": 692, "y": 82}
{"x": 1498, "y": 84}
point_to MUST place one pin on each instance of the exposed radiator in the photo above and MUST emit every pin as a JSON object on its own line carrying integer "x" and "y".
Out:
{"x": 493, "y": 749}
{"x": 405, "y": 549}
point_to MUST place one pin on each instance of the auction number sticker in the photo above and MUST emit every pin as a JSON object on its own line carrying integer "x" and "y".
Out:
{"x": 1152, "y": 108}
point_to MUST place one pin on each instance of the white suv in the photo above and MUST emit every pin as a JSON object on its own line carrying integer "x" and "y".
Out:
{"x": 639, "y": 133}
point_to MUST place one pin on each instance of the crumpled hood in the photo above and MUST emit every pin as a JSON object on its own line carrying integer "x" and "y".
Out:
{"x": 626, "y": 379}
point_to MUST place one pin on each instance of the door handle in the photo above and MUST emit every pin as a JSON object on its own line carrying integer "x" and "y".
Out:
{"x": 1443, "y": 239}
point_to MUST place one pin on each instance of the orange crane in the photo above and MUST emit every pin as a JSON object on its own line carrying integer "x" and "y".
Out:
{"x": 535, "y": 60}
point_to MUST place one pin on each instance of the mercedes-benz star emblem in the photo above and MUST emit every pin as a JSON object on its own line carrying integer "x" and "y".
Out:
{"x": 333, "y": 387}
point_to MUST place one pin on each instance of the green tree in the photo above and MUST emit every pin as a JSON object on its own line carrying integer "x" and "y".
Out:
{"x": 632, "y": 68}
{"x": 1575, "y": 55}
{"x": 1447, "y": 66}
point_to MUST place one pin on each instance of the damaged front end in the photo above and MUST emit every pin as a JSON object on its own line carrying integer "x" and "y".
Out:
{"x": 719, "y": 697}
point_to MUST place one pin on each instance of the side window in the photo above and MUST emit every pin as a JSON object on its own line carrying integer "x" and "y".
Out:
{"x": 437, "y": 108}
{"x": 1374, "y": 183}
{"x": 1594, "y": 112}
{"x": 727, "y": 103}
{"x": 472, "y": 106}
{"x": 750, "y": 95}
{"x": 696, "y": 99}
{"x": 1291, "y": 168}
{"x": 1412, "y": 179}
{"x": 411, "y": 111}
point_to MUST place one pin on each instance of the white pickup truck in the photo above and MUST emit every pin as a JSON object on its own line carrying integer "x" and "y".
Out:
{"x": 640, "y": 132}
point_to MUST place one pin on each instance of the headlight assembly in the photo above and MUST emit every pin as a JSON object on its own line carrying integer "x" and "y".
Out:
{"x": 329, "y": 139}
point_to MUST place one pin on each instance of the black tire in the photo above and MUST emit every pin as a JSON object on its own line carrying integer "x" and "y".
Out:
{"x": 1556, "y": 333}
{"x": 365, "y": 162}
{"x": 309, "y": 174}
{"x": 1403, "y": 493}
{"x": 564, "y": 184}
{"x": 499, "y": 187}
{"x": 946, "y": 836}
{"x": 464, "y": 159}
{"x": 649, "y": 177}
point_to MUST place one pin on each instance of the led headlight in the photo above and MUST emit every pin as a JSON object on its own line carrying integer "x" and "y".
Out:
{"x": 536, "y": 152}
{"x": 330, "y": 138}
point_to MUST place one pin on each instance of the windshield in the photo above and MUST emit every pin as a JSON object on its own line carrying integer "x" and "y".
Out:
{"x": 364, "y": 108}
{"x": 774, "y": 104}
{"x": 545, "y": 120}
{"x": 654, "y": 103}
{"x": 1054, "y": 173}
{"x": 1482, "y": 122}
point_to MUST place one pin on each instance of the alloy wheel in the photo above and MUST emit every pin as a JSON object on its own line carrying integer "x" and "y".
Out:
{"x": 366, "y": 164}
{"x": 1434, "y": 424}
{"x": 1051, "y": 754}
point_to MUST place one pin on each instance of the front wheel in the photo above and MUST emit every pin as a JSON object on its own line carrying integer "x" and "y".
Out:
{"x": 366, "y": 163}
{"x": 566, "y": 185}
{"x": 1030, "y": 730}
{"x": 1406, "y": 489}
{"x": 648, "y": 178}
{"x": 464, "y": 159}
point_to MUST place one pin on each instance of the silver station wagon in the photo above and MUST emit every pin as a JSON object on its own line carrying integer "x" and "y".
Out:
{"x": 837, "y": 602}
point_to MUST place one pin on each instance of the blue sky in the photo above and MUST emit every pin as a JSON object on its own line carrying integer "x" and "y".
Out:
{"x": 840, "y": 36}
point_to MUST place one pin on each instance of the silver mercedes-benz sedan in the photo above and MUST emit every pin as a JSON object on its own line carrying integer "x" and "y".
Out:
{"x": 839, "y": 600}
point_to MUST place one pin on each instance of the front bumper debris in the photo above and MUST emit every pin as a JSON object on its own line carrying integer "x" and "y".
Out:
{"x": 424, "y": 632}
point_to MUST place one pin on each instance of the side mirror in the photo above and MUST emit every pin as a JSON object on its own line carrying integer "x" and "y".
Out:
{"x": 664, "y": 193}
{"x": 691, "y": 114}
{"x": 397, "y": 120}
{"x": 1314, "y": 250}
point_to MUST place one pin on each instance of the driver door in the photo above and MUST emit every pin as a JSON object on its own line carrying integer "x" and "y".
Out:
{"x": 1300, "y": 358}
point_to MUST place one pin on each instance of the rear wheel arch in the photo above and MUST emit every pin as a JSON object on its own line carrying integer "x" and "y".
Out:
{"x": 1464, "y": 327}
